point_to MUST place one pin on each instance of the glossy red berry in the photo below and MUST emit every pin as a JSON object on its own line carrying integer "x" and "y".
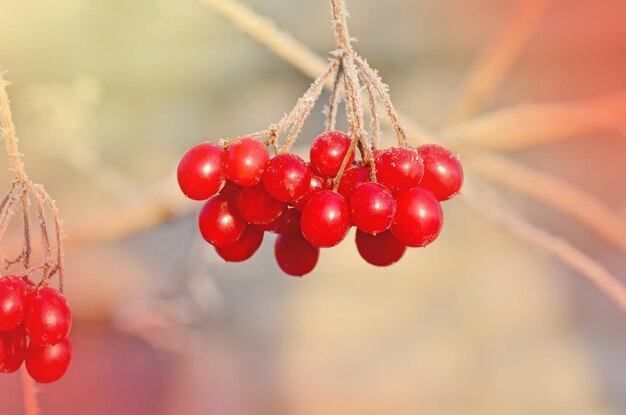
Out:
{"x": 47, "y": 364}
{"x": 381, "y": 250}
{"x": 288, "y": 222}
{"x": 230, "y": 190}
{"x": 328, "y": 151}
{"x": 201, "y": 171}
{"x": 219, "y": 221}
{"x": 372, "y": 208}
{"x": 418, "y": 217}
{"x": 443, "y": 174}
{"x": 325, "y": 219}
{"x": 13, "y": 293}
{"x": 247, "y": 244}
{"x": 286, "y": 177}
{"x": 256, "y": 205}
{"x": 316, "y": 184}
{"x": 295, "y": 255}
{"x": 48, "y": 317}
{"x": 398, "y": 168}
{"x": 351, "y": 179}
{"x": 12, "y": 349}
{"x": 245, "y": 161}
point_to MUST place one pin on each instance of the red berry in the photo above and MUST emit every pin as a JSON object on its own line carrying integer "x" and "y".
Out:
{"x": 328, "y": 151}
{"x": 201, "y": 171}
{"x": 244, "y": 247}
{"x": 220, "y": 223}
{"x": 372, "y": 208}
{"x": 418, "y": 217}
{"x": 316, "y": 184}
{"x": 295, "y": 255}
{"x": 12, "y": 349}
{"x": 48, "y": 317}
{"x": 256, "y": 205}
{"x": 230, "y": 190}
{"x": 288, "y": 222}
{"x": 381, "y": 250}
{"x": 352, "y": 177}
{"x": 325, "y": 219}
{"x": 398, "y": 168}
{"x": 47, "y": 364}
{"x": 13, "y": 293}
{"x": 443, "y": 174}
{"x": 286, "y": 177}
{"x": 245, "y": 161}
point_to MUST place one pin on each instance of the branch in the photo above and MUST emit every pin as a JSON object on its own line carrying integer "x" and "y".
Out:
{"x": 531, "y": 125}
{"x": 554, "y": 192}
{"x": 489, "y": 70}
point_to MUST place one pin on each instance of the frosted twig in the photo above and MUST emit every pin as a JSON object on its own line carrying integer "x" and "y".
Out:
{"x": 553, "y": 192}
{"x": 489, "y": 70}
{"x": 375, "y": 120}
{"x": 331, "y": 119}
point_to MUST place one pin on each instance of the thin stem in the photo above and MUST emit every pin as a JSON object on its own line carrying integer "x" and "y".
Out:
{"x": 375, "y": 120}
{"x": 331, "y": 120}
{"x": 31, "y": 407}
{"x": 8, "y": 133}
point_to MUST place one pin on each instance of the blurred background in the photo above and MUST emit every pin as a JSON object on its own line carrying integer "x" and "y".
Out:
{"x": 107, "y": 96}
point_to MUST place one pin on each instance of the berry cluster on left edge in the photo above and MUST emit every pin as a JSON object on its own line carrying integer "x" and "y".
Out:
{"x": 313, "y": 205}
{"x": 35, "y": 323}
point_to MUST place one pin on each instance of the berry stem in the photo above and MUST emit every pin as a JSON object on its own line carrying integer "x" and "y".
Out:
{"x": 31, "y": 407}
{"x": 335, "y": 96}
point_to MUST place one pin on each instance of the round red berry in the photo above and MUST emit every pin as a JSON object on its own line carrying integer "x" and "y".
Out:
{"x": 295, "y": 255}
{"x": 48, "y": 317}
{"x": 351, "y": 179}
{"x": 372, "y": 208}
{"x": 418, "y": 217}
{"x": 286, "y": 177}
{"x": 219, "y": 221}
{"x": 316, "y": 184}
{"x": 381, "y": 250}
{"x": 13, "y": 293}
{"x": 245, "y": 161}
{"x": 443, "y": 174}
{"x": 256, "y": 205}
{"x": 288, "y": 222}
{"x": 201, "y": 171}
{"x": 47, "y": 364}
{"x": 230, "y": 190}
{"x": 244, "y": 247}
{"x": 328, "y": 151}
{"x": 398, "y": 168}
{"x": 325, "y": 219}
{"x": 12, "y": 349}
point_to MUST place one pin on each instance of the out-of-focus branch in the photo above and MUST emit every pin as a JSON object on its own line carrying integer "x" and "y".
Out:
{"x": 489, "y": 70}
{"x": 554, "y": 192}
{"x": 571, "y": 256}
{"x": 531, "y": 125}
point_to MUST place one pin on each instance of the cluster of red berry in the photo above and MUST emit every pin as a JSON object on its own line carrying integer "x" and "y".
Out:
{"x": 38, "y": 314}
{"x": 249, "y": 193}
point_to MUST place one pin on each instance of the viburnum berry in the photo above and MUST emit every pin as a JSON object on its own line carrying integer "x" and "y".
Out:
{"x": 12, "y": 349}
{"x": 316, "y": 184}
{"x": 418, "y": 217}
{"x": 286, "y": 177}
{"x": 257, "y": 206}
{"x": 288, "y": 222}
{"x": 351, "y": 179}
{"x": 398, "y": 168}
{"x": 13, "y": 293}
{"x": 47, "y": 364}
{"x": 295, "y": 255}
{"x": 328, "y": 151}
{"x": 245, "y": 161}
{"x": 381, "y": 250}
{"x": 201, "y": 171}
{"x": 48, "y": 317}
{"x": 230, "y": 190}
{"x": 243, "y": 249}
{"x": 443, "y": 173}
{"x": 219, "y": 221}
{"x": 325, "y": 219}
{"x": 372, "y": 208}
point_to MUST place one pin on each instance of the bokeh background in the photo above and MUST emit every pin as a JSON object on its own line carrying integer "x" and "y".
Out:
{"x": 107, "y": 95}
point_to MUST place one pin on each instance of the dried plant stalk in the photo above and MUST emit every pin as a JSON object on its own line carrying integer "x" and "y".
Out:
{"x": 487, "y": 73}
